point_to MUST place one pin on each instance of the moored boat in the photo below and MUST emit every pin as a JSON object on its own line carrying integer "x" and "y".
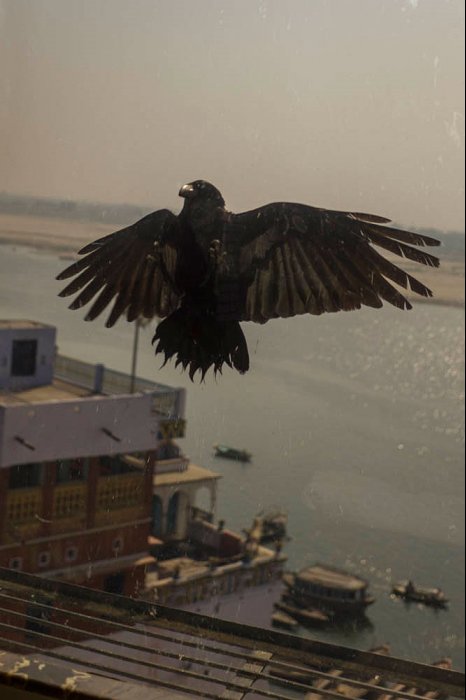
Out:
{"x": 232, "y": 453}
{"x": 417, "y": 594}
{"x": 283, "y": 620}
{"x": 329, "y": 589}
{"x": 309, "y": 617}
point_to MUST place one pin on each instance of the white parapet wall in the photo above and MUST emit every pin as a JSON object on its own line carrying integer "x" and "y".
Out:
{"x": 83, "y": 427}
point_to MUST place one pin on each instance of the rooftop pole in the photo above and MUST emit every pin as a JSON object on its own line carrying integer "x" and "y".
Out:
{"x": 137, "y": 326}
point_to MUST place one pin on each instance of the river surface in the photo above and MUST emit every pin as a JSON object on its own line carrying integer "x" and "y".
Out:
{"x": 356, "y": 426}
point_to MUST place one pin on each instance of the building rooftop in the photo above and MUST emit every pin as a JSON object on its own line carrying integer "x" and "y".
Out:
{"x": 21, "y": 323}
{"x": 74, "y": 378}
{"x": 59, "y": 390}
{"x": 60, "y": 639}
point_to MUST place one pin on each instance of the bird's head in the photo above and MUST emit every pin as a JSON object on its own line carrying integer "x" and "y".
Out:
{"x": 202, "y": 191}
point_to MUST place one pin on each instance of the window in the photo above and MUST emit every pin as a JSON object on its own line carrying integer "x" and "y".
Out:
{"x": 43, "y": 559}
{"x": 24, "y": 356}
{"x": 71, "y": 554}
{"x": 24, "y": 476}
{"x": 157, "y": 516}
{"x": 112, "y": 466}
{"x": 16, "y": 563}
{"x": 172, "y": 513}
{"x": 72, "y": 470}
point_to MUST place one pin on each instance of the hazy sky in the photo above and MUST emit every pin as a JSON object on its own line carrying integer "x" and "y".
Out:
{"x": 353, "y": 104}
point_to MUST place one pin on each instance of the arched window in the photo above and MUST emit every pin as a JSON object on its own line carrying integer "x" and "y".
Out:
{"x": 157, "y": 516}
{"x": 172, "y": 514}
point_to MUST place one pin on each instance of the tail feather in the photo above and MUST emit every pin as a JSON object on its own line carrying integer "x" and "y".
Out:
{"x": 201, "y": 342}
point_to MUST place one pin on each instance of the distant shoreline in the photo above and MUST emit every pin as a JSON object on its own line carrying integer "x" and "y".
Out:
{"x": 46, "y": 235}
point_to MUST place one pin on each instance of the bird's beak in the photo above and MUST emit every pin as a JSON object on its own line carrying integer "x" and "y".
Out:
{"x": 187, "y": 191}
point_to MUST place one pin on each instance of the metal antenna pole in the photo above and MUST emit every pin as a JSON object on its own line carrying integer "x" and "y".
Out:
{"x": 135, "y": 355}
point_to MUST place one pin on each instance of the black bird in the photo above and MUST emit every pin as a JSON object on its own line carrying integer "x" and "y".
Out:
{"x": 206, "y": 269}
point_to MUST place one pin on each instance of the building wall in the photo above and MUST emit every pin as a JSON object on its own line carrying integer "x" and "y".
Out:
{"x": 232, "y": 578}
{"x": 76, "y": 428}
{"x": 85, "y": 530}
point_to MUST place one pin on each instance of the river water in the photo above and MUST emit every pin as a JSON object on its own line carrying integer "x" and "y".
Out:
{"x": 356, "y": 426}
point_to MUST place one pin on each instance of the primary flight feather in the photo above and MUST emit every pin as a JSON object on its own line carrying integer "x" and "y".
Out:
{"x": 206, "y": 269}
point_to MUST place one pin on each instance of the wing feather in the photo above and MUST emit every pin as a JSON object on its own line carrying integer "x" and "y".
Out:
{"x": 396, "y": 274}
{"x": 296, "y": 259}
{"x": 358, "y": 281}
{"x": 314, "y": 298}
{"x": 133, "y": 267}
{"x": 401, "y": 249}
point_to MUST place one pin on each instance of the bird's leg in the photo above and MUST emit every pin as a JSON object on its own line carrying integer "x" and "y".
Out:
{"x": 214, "y": 250}
{"x": 214, "y": 258}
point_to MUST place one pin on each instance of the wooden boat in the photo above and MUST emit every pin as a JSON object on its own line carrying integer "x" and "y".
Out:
{"x": 283, "y": 620}
{"x": 428, "y": 596}
{"x": 329, "y": 589}
{"x": 232, "y": 453}
{"x": 309, "y": 617}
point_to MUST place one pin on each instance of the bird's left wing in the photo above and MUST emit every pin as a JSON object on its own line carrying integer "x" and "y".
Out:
{"x": 295, "y": 259}
{"x": 135, "y": 267}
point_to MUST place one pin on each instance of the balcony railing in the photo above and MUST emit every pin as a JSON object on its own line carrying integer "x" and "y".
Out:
{"x": 117, "y": 492}
{"x": 69, "y": 500}
{"x": 23, "y": 506}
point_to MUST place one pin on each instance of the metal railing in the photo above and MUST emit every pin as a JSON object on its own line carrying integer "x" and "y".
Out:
{"x": 57, "y": 627}
{"x": 167, "y": 401}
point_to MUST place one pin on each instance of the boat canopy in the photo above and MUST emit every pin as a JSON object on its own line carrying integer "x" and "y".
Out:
{"x": 325, "y": 577}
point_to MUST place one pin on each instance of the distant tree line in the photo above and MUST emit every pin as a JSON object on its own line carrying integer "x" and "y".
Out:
{"x": 123, "y": 214}
{"x": 452, "y": 241}
{"x": 67, "y": 209}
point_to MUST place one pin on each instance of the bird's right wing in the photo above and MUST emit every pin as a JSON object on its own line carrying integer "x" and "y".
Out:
{"x": 135, "y": 267}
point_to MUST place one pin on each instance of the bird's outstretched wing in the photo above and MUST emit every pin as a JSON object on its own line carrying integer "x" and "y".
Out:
{"x": 295, "y": 259}
{"x": 135, "y": 267}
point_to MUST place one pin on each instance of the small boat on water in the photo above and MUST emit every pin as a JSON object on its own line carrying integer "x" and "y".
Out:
{"x": 232, "y": 453}
{"x": 328, "y": 589}
{"x": 417, "y": 594}
{"x": 307, "y": 616}
{"x": 283, "y": 620}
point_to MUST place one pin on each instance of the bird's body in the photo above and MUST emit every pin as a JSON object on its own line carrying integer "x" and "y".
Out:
{"x": 206, "y": 270}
